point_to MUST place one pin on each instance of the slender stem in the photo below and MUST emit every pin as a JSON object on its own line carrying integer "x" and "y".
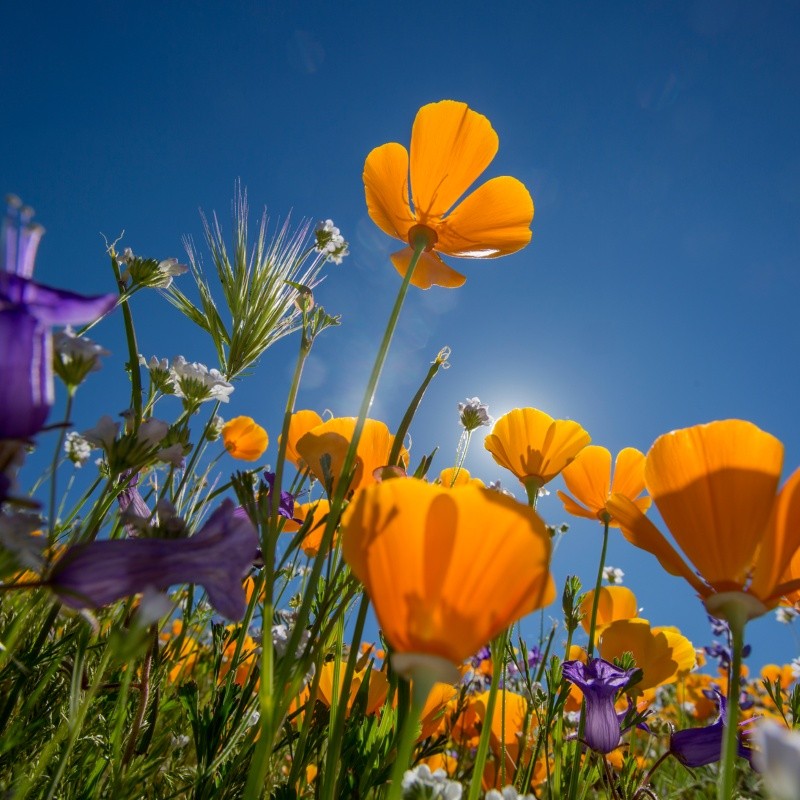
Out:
{"x": 54, "y": 467}
{"x": 730, "y": 735}
{"x": 597, "y": 587}
{"x": 133, "y": 348}
{"x": 498, "y": 659}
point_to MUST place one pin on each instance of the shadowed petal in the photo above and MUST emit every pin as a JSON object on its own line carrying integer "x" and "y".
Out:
{"x": 451, "y": 145}
{"x": 430, "y": 270}
{"x": 386, "y": 186}
{"x": 492, "y": 221}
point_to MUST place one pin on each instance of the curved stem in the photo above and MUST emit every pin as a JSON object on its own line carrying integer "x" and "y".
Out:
{"x": 598, "y": 585}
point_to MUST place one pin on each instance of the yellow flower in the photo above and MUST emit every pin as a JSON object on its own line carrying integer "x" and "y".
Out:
{"x": 300, "y": 424}
{"x": 534, "y": 446}
{"x": 324, "y": 447}
{"x": 661, "y": 653}
{"x": 376, "y": 693}
{"x": 715, "y": 488}
{"x": 244, "y": 438}
{"x": 446, "y": 569}
{"x": 588, "y": 477}
{"x": 614, "y": 603}
{"x": 448, "y": 477}
{"x": 451, "y": 145}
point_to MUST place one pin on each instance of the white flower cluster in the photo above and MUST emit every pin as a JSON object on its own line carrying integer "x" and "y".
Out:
{"x": 496, "y": 486}
{"x": 330, "y": 242}
{"x": 77, "y": 448}
{"x": 473, "y": 414}
{"x": 507, "y": 793}
{"x": 422, "y": 784}
{"x": 148, "y": 271}
{"x": 75, "y": 356}
{"x": 196, "y": 383}
{"x": 785, "y": 614}
{"x": 613, "y": 575}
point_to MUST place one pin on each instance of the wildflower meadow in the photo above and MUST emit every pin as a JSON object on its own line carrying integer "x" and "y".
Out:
{"x": 181, "y": 616}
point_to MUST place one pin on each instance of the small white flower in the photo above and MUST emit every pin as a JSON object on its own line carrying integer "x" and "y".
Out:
{"x": 151, "y": 432}
{"x": 613, "y": 575}
{"x": 154, "y": 605}
{"x": 785, "y": 614}
{"x": 103, "y": 434}
{"x": 420, "y": 782}
{"x": 196, "y": 383}
{"x": 215, "y": 428}
{"x": 507, "y": 793}
{"x": 796, "y": 668}
{"x": 172, "y": 455}
{"x": 473, "y": 414}
{"x": 330, "y": 242}
{"x": 73, "y": 348}
{"x": 77, "y": 448}
{"x": 496, "y": 486}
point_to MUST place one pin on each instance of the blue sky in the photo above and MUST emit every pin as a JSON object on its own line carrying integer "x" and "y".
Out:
{"x": 659, "y": 141}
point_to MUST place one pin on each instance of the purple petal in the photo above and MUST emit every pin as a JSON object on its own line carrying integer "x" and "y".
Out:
{"x": 216, "y": 558}
{"x": 26, "y": 377}
{"x": 52, "y": 306}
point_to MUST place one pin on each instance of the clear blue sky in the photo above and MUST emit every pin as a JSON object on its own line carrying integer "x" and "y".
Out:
{"x": 660, "y": 142}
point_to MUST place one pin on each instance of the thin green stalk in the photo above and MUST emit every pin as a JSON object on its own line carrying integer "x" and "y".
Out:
{"x": 54, "y": 468}
{"x": 730, "y": 736}
{"x": 337, "y": 729}
{"x": 498, "y": 659}
{"x": 133, "y": 348}
{"x": 597, "y": 587}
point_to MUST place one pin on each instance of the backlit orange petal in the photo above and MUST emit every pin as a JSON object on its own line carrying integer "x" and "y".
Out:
{"x": 244, "y": 438}
{"x": 531, "y": 444}
{"x": 494, "y": 220}
{"x": 588, "y": 477}
{"x": 299, "y": 425}
{"x": 781, "y": 546}
{"x": 614, "y": 603}
{"x": 629, "y": 473}
{"x": 640, "y": 531}
{"x": 430, "y": 270}
{"x": 451, "y": 145}
{"x": 386, "y": 188}
{"x": 683, "y": 651}
{"x": 446, "y": 569}
{"x": 715, "y": 487}
{"x": 571, "y": 507}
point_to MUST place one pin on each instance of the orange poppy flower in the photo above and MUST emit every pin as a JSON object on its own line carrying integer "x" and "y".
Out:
{"x": 313, "y": 538}
{"x": 244, "y": 438}
{"x": 446, "y": 569}
{"x": 376, "y": 692}
{"x": 300, "y": 424}
{"x": 534, "y": 446}
{"x": 449, "y": 477}
{"x": 614, "y": 602}
{"x": 661, "y": 653}
{"x": 451, "y": 145}
{"x": 588, "y": 477}
{"x": 324, "y": 447}
{"x": 715, "y": 487}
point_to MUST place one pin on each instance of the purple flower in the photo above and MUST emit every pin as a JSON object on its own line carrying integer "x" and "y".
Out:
{"x": 285, "y": 507}
{"x": 697, "y": 747}
{"x": 216, "y": 557}
{"x": 27, "y": 311}
{"x": 599, "y": 680}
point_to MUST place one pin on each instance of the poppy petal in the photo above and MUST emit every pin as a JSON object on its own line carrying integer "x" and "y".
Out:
{"x": 451, "y": 145}
{"x": 641, "y": 532}
{"x": 589, "y": 475}
{"x": 715, "y": 487}
{"x": 430, "y": 270}
{"x": 494, "y": 220}
{"x": 629, "y": 472}
{"x": 386, "y": 188}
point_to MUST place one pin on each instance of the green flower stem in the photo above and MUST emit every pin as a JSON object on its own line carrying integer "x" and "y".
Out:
{"x": 498, "y": 659}
{"x": 597, "y": 587}
{"x": 421, "y": 686}
{"x": 133, "y": 348}
{"x": 54, "y": 467}
{"x": 405, "y": 423}
{"x": 336, "y": 732}
{"x": 730, "y": 734}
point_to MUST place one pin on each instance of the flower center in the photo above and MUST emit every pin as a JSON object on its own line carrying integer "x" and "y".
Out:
{"x": 422, "y": 234}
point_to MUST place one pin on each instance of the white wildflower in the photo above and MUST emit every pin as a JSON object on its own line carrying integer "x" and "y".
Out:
{"x": 75, "y": 356}
{"x": 77, "y": 448}
{"x": 473, "y": 414}
{"x": 496, "y": 486}
{"x": 777, "y": 758}
{"x": 215, "y": 428}
{"x": 160, "y": 374}
{"x": 785, "y": 614}
{"x": 151, "y": 432}
{"x": 507, "y": 793}
{"x": 196, "y": 383}
{"x": 103, "y": 434}
{"x": 613, "y": 575}
{"x": 420, "y": 782}
{"x": 330, "y": 242}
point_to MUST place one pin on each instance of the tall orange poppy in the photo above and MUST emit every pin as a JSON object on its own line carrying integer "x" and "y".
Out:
{"x": 446, "y": 569}
{"x": 324, "y": 448}
{"x": 715, "y": 488}
{"x": 451, "y": 145}
{"x": 533, "y": 445}
{"x": 588, "y": 477}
